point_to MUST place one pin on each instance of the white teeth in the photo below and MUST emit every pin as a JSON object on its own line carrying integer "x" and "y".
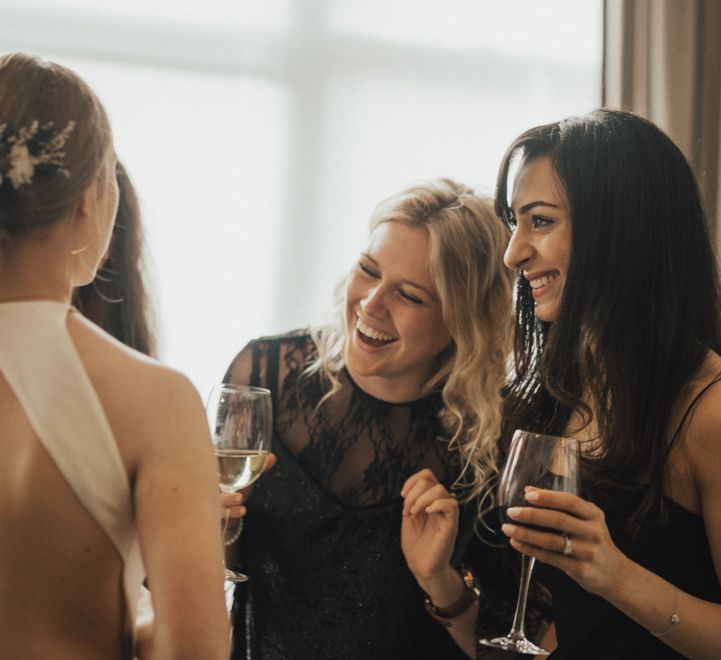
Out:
{"x": 542, "y": 281}
{"x": 372, "y": 333}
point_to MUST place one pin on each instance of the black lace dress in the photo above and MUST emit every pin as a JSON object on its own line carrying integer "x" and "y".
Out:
{"x": 321, "y": 541}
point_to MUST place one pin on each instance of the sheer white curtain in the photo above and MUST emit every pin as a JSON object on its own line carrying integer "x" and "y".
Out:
{"x": 260, "y": 134}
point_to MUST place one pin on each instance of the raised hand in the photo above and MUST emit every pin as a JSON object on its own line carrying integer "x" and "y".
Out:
{"x": 429, "y": 528}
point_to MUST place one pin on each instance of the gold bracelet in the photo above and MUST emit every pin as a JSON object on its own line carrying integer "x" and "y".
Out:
{"x": 674, "y": 619}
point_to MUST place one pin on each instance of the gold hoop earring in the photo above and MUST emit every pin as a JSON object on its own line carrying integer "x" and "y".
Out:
{"x": 79, "y": 250}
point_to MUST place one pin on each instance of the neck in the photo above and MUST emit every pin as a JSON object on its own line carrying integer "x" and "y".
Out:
{"x": 391, "y": 390}
{"x": 32, "y": 269}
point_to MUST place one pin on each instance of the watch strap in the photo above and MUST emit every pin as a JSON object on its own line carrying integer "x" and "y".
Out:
{"x": 469, "y": 596}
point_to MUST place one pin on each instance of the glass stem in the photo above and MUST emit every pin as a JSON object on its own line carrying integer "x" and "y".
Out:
{"x": 517, "y": 629}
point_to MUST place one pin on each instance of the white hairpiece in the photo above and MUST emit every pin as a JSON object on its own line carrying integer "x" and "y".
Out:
{"x": 30, "y": 149}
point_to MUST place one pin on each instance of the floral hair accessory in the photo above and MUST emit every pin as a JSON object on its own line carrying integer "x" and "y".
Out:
{"x": 32, "y": 149}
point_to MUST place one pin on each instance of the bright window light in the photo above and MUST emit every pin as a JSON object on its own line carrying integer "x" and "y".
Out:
{"x": 260, "y": 134}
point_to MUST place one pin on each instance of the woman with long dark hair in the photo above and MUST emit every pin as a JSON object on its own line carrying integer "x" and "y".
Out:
{"x": 618, "y": 335}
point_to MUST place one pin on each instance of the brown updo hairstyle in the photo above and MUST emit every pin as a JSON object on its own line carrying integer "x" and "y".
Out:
{"x": 35, "y": 90}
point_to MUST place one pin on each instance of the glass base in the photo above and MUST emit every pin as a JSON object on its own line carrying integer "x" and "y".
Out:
{"x": 517, "y": 644}
{"x": 235, "y": 577}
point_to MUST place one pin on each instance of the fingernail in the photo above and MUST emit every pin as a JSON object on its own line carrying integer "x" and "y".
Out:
{"x": 513, "y": 511}
{"x": 508, "y": 529}
{"x": 239, "y": 498}
{"x": 532, "y": 495}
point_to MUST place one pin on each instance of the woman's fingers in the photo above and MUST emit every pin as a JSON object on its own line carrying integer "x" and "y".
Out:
{"x": 547, "y": 541}
{"x": 558, "y": 521}
{"x": 231, "y": 505}
{"x": 269, "y": 462}
{"x": 556, "y": 499}
{"x": 422, "y": 475}
{"x": 231, "y": 499}
{"x": 557, "y": 559}
{"x": 446, "y": 506}
{"x": 430, "y": 496}
{"x": 236, "y": 512}
{"x": 415, "y": 486}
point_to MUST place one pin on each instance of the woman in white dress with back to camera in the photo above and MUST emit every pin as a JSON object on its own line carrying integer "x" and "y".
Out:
{"x": 100, "y": 446}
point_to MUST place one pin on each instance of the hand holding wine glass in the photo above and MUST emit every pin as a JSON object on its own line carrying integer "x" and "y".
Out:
{"x": 540, "y": 461}
{"x": 241, "y": 424}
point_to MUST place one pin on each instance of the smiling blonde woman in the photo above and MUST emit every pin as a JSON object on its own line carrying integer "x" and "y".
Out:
{"x": 405, "y": 379}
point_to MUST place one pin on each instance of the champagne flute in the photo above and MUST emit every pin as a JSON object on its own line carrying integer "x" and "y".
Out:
{"x": 544, "y": 461}
{"x": 241, "y": 424}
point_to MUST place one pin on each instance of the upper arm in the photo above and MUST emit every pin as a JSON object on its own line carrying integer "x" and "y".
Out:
{"x": 175, "y": 490}
{"x": 240, "y": 371}
{"x": 164, "y": 440}
{"x": 703, "y": 447}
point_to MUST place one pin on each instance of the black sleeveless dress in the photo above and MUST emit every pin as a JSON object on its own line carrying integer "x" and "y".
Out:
{"x": 321, "y": 540}
{"x": 677, "y": 549}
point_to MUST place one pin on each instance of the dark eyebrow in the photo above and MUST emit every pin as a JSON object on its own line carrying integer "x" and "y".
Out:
{"x": 430, "y": 294}
{"x": 527, "y": 207}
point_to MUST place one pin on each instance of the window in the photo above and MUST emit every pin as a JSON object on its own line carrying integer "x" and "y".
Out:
{"x": 260, "y": 134}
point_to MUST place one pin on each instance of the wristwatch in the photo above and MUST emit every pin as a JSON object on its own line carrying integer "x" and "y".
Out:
{"x": 471, "y": 594}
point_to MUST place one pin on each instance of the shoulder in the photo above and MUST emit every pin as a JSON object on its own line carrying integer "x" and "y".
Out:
{"x": 127, "y": 380}
{"x": 701, "y": 437}
{"x": 251, "y": 362}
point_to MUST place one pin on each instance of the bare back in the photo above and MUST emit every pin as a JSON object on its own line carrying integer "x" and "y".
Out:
{"x": 91, "y": 478}
{"x": 62, "y": 591}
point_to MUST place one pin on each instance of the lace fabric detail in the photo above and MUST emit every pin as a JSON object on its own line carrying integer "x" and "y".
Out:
{"x": 321, "y": 542}
{"x": 359, "y": 448}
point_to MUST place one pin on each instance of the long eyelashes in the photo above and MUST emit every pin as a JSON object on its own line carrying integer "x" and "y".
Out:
{"x": 367, "y": 270}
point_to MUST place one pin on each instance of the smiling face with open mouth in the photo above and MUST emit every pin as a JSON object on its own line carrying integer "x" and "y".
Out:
{"x": 395, "y": 325}
{"x": 541, "y": 243}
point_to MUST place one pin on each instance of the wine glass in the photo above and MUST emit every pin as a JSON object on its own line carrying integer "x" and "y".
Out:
{"x": 544, "y": 461}
{"x": 241, "y": 425}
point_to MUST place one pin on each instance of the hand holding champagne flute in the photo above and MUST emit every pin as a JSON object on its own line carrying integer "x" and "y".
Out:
{"x": 241, "y": 425}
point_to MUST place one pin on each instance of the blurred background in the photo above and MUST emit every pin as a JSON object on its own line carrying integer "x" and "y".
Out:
{"x": 260, "y": 134}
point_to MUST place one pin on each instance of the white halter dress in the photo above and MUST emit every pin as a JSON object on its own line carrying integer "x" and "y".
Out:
{"x": 42, "y": 367}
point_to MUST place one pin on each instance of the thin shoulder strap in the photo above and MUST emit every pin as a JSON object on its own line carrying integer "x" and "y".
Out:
{"x": 272, "y": 374}
{"x": 688, "y": 411}
{"x": 255, "y": 365}
{"x": 272, "y": 356}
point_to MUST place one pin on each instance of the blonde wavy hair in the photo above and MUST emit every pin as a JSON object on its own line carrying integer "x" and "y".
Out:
{"x": 467, "y": 243}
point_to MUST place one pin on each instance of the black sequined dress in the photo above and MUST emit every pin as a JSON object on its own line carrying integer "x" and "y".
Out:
{"x": 321, "y": 541}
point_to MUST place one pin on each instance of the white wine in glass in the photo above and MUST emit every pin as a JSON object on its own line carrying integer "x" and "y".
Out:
{"x": 544, "y": 461}
{"x": 241, "y": 423}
